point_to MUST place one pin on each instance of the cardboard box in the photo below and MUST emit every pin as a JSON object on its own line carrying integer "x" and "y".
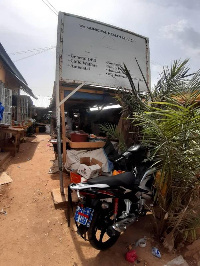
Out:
{"x": 89, "y": 168}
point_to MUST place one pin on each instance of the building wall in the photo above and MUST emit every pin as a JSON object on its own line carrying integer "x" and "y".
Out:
{"x": 2, "y": 73}
{"x": 9, "y": 87}
{"x": 8, "y": 80}
{"x": 11, "y": 82}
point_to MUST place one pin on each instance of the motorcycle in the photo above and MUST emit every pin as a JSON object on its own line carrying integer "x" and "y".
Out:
{"x": 107, "y": 205}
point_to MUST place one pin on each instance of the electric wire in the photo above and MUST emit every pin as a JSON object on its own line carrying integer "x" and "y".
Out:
{"x": 56, "y": 13}
{"x": 48, "y": 5}
{"x": 31, "y": 50}
{"x": 52, "y": 6}
{"x": 34, "y": 54}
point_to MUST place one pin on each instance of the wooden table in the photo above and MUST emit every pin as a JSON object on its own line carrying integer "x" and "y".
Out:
{"x": 17, "y": 133}
{"x": 78, "y": 145}
{"x": 86, "y": 145}
{"x": 81, "y": 145}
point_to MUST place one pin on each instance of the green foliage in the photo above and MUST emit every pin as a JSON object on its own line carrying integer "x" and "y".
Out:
{"x": 172, "y": 80}
{"x": 131, "y": 100}
{"x": 173, "y": 133}
{"x": 114, "y": 133}
{"x": 170, "y": 125}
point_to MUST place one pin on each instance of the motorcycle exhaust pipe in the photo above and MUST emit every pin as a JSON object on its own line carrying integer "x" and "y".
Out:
{"x": 122, "y": 225}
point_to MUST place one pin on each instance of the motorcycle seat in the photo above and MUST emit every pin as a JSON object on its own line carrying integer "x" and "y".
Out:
{"x": 126, "y": 180}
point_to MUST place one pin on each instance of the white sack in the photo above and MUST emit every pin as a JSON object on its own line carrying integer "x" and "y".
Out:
{"x": 73, "y": 158}
{"x": 89, "y": 171}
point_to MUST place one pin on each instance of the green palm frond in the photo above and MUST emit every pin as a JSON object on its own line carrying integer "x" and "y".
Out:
{"x": 114, "y": 133}
{"x": 170, "y": 126}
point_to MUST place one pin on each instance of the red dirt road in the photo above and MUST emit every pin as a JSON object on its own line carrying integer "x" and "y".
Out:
{"x": 34, "y": 233}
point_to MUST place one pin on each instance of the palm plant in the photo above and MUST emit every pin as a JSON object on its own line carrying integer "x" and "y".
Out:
{"x": 171, "y": 127}
{"x": 173, "y": 133}
{"x": 113, "y": 132}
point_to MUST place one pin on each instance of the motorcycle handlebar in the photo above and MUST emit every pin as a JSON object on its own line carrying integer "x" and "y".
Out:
{"x": 119, "y": 159}
{"x": 123, "y": 156}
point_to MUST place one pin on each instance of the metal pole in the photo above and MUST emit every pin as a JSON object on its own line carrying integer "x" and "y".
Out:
{"x": 59, "y": 152}
{"x": 57, "y": 85}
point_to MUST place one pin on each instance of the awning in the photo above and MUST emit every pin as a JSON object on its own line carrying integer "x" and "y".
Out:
{"x": 14, "y": 71}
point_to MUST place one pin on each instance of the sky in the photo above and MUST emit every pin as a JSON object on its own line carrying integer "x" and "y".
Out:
{"x": 28, "y": 32}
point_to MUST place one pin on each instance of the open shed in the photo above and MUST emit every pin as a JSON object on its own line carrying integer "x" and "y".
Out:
{"x": 80, "y": 105}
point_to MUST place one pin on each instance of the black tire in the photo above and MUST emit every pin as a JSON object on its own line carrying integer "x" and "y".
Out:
{"x": 98, "y": 224}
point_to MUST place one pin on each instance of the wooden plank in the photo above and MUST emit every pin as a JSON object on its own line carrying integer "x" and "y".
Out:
{"x": 63, "y": 126}
{"x": 93, "y": 91}
{"x": 59, "y": 199}
{"x": 12, "y": 130}
{"x": 82, "y": 90}
{"x": 85, "y": 145}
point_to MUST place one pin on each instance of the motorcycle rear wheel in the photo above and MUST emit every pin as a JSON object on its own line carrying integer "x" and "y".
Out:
{"x": 97, "y": 233}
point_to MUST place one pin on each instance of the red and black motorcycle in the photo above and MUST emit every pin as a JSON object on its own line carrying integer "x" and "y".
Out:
{"x": 109, "y": 204}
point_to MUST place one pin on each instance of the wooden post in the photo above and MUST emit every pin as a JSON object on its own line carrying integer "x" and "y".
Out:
{"x": 60, "y": 108}
{"x": 63, "y": 126}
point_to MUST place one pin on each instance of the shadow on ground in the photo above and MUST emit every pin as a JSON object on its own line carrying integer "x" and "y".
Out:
{"x": 26, "y": 150}
{"x": 116, "y": 254}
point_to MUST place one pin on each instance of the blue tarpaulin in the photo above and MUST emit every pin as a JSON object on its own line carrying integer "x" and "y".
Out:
{"x": 1, "y": 111}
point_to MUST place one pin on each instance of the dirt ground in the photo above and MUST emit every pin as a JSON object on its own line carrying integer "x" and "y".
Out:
{"x": 34, "y": 233}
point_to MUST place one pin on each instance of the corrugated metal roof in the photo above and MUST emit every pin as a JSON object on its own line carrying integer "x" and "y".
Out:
{"x": 13, "y": 70}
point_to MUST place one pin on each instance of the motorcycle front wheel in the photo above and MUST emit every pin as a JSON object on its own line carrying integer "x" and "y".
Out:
{"x": 98, "y": 233}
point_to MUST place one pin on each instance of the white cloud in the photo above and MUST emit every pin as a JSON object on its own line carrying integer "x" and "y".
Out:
{"x": 182, "y": 34}
{"x": 31, "y": 24}
{"x": 188, "y": 4}
{"x": 170, "y": 31}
